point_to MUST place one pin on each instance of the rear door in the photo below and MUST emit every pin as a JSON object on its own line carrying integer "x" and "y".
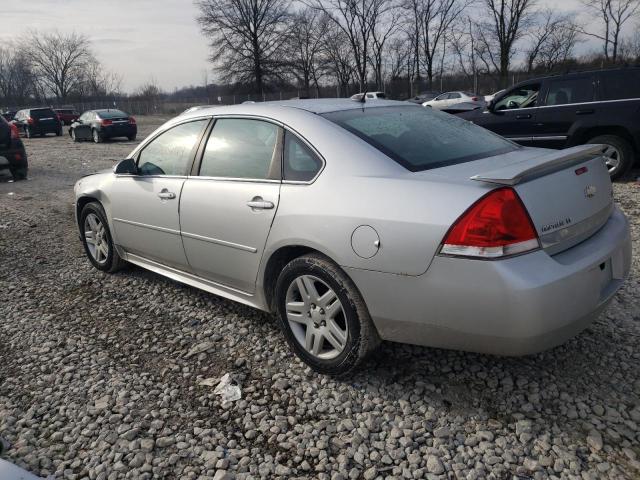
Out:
{"x": 568, "y": 107}
{"x": 226, "y": 211}
{"x": 144, "y": 207}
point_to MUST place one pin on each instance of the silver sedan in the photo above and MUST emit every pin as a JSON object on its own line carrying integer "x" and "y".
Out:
{"x": 360, "y": 222}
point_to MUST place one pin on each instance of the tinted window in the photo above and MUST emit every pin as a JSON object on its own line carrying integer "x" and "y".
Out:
{"x": 444, "y": 96}
{"x": 42, "y": 113}
{"x": 620, "y": 84}
{"x": 300, "y": 163}
{"x": 525, "y": 96}
{"x": 571, "y": 90}
{"x": 382, "y": 95}
{"x": 239, "y": 148}
{"x": 111, "y": 114}
{"x": 170, "y": 153}
{"x": 454, "y": 95}
{"x": 420, "y": 138}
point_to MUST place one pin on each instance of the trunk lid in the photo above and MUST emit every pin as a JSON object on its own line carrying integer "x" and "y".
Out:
{"x": 568, "y": 193}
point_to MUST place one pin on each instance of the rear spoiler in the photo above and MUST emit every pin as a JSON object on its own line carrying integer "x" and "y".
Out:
{"x": 538, "y": 166}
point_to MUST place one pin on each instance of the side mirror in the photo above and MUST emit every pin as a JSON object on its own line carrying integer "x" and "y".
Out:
{"x": 126, "y": 167}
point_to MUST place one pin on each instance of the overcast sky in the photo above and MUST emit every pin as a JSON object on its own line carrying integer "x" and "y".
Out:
{"x": 139, "y": 39}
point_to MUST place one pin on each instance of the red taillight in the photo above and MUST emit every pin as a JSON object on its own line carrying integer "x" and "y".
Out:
{"x": 106, "y": 123}
{"x": 474, "y": 99}
{"x": 15, "y": 134}
{"x": 132, "y": 120}
{"x": 30, "y": 121}
{"x": 497, "y": 225}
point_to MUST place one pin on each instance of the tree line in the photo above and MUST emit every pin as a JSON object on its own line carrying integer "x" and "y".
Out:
{"x": 372, "y": 43}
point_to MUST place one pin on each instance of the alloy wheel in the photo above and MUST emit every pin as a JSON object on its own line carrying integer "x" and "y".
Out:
{"x": 96, "y": 237}
{"x": 316, "y": 317}
{"x": 612, "y": 158}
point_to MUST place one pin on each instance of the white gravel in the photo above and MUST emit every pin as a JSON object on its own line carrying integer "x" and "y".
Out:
{"x": 99, "y": 374}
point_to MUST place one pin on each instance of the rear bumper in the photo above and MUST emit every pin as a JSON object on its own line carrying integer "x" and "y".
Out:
{"x": 119, "y": 131}
{"x": 516, "y": 306}
{"x": 13, "y": 157}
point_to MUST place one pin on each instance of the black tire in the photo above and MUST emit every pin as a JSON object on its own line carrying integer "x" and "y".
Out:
{"x": 362, "y": 336}
{"x": 625, "y": 150}
{"x": 72, "y": 134}
{"x": 19, "y": 173}
{"x": 131, "y": 138}
{"x": 59, "y": 133}
{"x": 97, "y": 137}
{"x": 113, "y": 261}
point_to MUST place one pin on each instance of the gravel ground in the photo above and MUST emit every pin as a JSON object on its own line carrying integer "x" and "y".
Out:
{"x": 99, "y": 374}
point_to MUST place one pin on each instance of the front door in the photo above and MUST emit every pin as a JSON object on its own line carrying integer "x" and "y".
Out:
{"x": 226, "y": 211}
{"x": 514, "y": 115}
{"x": 145, "y": 206}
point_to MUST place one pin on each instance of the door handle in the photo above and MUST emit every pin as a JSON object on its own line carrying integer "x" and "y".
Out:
{"x": 587, "y": 111}
{"x": 260, "y": 204}
{"x": 166, "y": 194}
{"x": 523, "y": 116}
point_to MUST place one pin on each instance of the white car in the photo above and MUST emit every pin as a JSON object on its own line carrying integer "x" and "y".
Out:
{"x": 447, "y": 99}
{"x": 370, "y": 96}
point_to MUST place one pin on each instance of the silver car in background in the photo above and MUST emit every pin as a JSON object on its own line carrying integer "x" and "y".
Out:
{"x": 357, "y": 222}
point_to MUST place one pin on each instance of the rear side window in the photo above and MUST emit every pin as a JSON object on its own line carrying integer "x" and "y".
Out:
{"x": 170, "y": 153}
{"x": 240, "y": 148}
{"x": 300, "y": 163}
{"x": 420, "y": 138}
{"x": 620, "y": 84}
{"x": 571, "y": 90}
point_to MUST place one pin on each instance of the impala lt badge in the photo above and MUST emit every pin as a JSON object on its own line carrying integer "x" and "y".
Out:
{"x": 590, "y": 191}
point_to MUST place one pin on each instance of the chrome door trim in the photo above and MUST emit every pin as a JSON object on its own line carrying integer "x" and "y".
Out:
{"x": 233, "y": 179}
{"x": 551, "y": 137}
{"x": 519, "y": 139}
{"x": 145, "y": 225}
{"x": 565, "y": 105}
{"x": 237, "y": 246}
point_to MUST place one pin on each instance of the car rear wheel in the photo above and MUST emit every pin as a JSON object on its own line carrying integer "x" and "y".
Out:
{"x": 323, "y": 315}
{"x": 618, "y": 154}
{"x": 97, "y": 138}
{"x": 97, "y": 240}
{"x": 59, "y": 133}
{"x": 131, "y": 138}
{"x": 19, "y": 173}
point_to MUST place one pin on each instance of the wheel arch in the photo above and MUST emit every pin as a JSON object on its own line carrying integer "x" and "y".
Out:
{"x": 584, "y": 135}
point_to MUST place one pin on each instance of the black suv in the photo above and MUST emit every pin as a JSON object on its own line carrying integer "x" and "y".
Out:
{"x": 38, "y": 121}
{"x": 12, "y": 153}
{"x": 573, "y": 109}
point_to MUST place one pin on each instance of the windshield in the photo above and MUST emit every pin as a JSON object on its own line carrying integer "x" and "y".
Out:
{"x": 111, "y": 113}
{"x": 419, "y": 138}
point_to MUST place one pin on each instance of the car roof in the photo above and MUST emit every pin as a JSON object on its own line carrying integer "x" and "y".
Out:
{"x": 629, "y": 68}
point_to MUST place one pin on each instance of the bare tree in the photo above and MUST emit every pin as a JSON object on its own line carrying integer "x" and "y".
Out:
{"x": 630, "y": 47}
{"x": 99, "y": 82}
{"x": 247, "y": 38}
{"x": 357, "y": 19}
{"x": 16, "y": 76}
{"x": 613, "y": 15}
{"x": 338, "y": 56}
{"x": 553, "y": 38}
{"x": 465, "y": 45}
{"x": 380, "y": 34}
{"x": 59, "y": 61}
{"x": 508, "y": 22}
{"x": 435, "y": 20}
{"x": 308, "y": 28}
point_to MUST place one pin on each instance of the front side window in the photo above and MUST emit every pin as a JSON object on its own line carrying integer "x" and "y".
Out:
{"x": 170, "y": 153}
{"x": 300, "y": 163}
{"x": 240, "y": 148}
{"x": 420, "y": 138}
{"x": 521, "y": 97}
{"x": 572, "y": 90}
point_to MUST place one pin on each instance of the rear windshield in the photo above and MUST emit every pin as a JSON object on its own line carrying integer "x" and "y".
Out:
{"x": 111, "y": 113}
{"x": 62, "y": 110}
{"x": 419, "y": 138}
{"x": 42, "y": 113}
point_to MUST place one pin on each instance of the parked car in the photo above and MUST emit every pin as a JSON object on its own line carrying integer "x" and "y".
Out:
{"x": 9, "y": 115}
{"x": 13, "y": 156}
{"x": 423, "y": 97}
{"x": 360, "y": 222}
{"x": 573, "y": 109}
{"x": 370, "y": 96}
{"x": 448, "y": 99}
{"x": 462, "y": 107}
{"x": 38, "y": 121}
{"x": 67, "y": 115}
{"x": 100, "y": 125}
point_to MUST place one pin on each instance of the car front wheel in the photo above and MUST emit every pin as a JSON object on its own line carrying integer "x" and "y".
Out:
{"x": 97, "y": 240}
{"x": 323, "y": 315}
{"x": 97, "y": 138}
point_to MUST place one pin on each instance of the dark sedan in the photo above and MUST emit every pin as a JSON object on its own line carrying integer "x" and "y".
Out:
{"x": 100, "y": 125}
